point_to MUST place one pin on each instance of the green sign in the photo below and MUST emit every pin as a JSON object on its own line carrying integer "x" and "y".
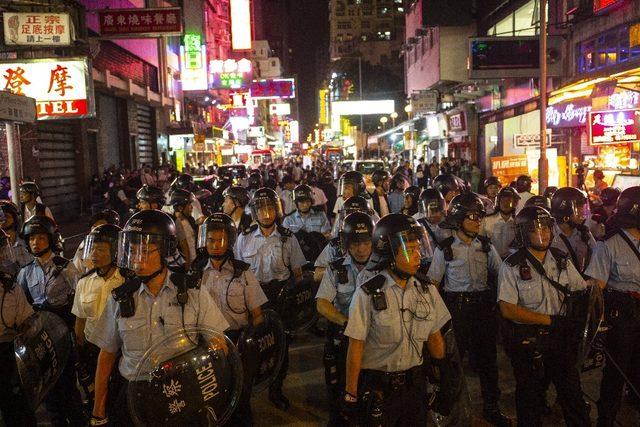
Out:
{"x": 192, "y": 51}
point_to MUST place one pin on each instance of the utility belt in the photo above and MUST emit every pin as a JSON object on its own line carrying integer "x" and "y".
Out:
{"x": 272, "y": 288}
{"x": 470, "y": 298}
{"x": 392, "y": 381}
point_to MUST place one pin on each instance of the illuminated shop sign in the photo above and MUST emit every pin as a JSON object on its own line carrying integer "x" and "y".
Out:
{"x": 568, "y": 114}
{"x": 240, "y": 24}
{"x": 230, "y": 73}
{"x": 193, "y": 55}
{"x": 602, "y": 6}
{"x": 273, "y": 88}
{"x": 613, "y": 127}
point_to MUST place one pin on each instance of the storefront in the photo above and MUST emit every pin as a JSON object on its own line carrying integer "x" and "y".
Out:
{"x": 461, "y": 136}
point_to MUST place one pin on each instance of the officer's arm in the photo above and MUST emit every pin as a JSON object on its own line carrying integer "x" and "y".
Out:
{"x": 184, "y": 247}
{"x": 328, "y": 310}
{"x": 520, "y": 314}
{"x": 106, "y": 360}
{"x": 318, "y": 273}
{"x": 436, "y": 345}
{"x": 256, "y": 316}
{"x": 79, "y": 330}
{"x": 354, "y": 361}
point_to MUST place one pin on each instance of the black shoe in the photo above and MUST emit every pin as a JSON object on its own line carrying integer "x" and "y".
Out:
{"x": 279, "y": 400}
{"x": 497, "y": 418}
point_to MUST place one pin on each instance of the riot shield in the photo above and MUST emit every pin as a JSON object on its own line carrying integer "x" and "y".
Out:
{"x": 42, "y": 349}
{"x": 312, "y": 243}
{"x": 191, "y": 377}
{"x": 263, "y": 347}
{"x": 297, "y": 305}
{"x": 588, "y": 314}
{"x": 447, "y": 390}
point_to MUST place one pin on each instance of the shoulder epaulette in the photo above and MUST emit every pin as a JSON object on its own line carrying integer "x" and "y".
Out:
{"x": 239, "y": 267}
{"x": 250, "y": 229}
{"x": 558, "y": 254}
{"x": 374, "y": 284}
{"x": 516, "y": 258}
{"x": 445, "y": 243}
{"x": 88, "y": 273}
{"x": 60, "y": 261}
{"x": 336, "y": 263}
{"x": 285, "y": 232}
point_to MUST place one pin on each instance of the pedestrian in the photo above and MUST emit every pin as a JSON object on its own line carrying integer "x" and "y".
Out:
{"x": 396, "y": 193}
{"x": 476, "y": 176}
{"x": 499, "y": 226}
{"x": 29, "y": 205}
{"x": 186, "y": 228}
{"x": 380, "y": 180}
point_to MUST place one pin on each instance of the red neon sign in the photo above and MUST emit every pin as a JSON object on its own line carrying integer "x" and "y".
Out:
{"x": 600, "y": 6}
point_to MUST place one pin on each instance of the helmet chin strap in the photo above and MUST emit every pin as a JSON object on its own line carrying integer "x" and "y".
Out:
{"x": 103, "y": 271}
{"x": 469, "y": 234}
{"x": 42, "y": 252}
{"x": 266, "y": 226}
{"x": 147, "y": 279}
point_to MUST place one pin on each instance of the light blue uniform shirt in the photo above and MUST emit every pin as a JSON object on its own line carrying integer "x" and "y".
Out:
{"x": 396, "y": 201}
{"x": 439, "y": 232}
{"x": 577, "y": 244}
{"x": 329, "y": 253}
{"x": 614, "y": 263}
{"x": 313, "y": 221}
{"x": 501, "y": 232}
{"x": 270, "y": 257}
{"x": 339, "y": 294}
{"x": 155, "y": 317}
{"x": 14, "y": 310}
{"x": 537, "y": 294}
{"x": 393, "y": 338}
{"x": 467, "y": 271}
{"x": 48, "y": 282}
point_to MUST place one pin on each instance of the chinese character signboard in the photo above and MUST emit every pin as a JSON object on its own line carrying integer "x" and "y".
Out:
{"x": 193, "y": 56}
{"x": 569, "y": 114}
{"x": 154, "y": 22}
{"x": 230, "y": 73}
{"x": 457, "y": 122}
{"x": 603, "y": 6}
{"x": 37, "y": 29}
{"x": 613, "y": 127}
{"x": 508, "y": 168}
{"x": 424, "y": 102}
{"x": 17, "y": 108}
{"x": 61, "y": 86}
{"x": 273, "y": 88}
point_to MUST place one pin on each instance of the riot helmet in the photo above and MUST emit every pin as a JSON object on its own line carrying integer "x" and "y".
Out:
{"x": 147, "y": 195}
{"x": 184, "y": 181}
{"x": 41, "y": 224}
{"x": 549, "y": 192}
{"x": 539, "y": 201}
{"x": 628, "y": 208}
{"x": 106, "y": 216}
{"x": 448, "y": 185}
{"x": 145, "y": 234}
{"x": 217, "y": 235}
{"x": 411, "y": 197}
{"x": 101, "y": 246}
{"x": 301, "y": 194}
{"x": 180, "y": 199}
{"x": 255, "y": 180}
{"x": 491, "y": 186}
{"x": 431, "y": 205}
{"x": 463, "y": 207}
{"x": 570, "y": 205}
{"x": 534, "y": 228}
{"x": 357, "y": 229}
{"x": 266, "y": 207}
{"x": 400, "y": 242}
{"x": 379, "y": 177}
{"x": 523, "y": 184}
{"x": 8, "y": 263}
{"x": 609, "y": 196}
{"x": 351, "y": 184}
{"x": 235, "y": 197}
{"x": 507, "y": 200}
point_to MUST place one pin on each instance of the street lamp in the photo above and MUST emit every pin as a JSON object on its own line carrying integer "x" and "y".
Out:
{"x": 409, "y": 110}
{"x": 393, "y": 116}
{"x": 384, "y": 120}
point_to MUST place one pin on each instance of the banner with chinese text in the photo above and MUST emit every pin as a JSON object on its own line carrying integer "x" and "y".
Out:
{"x": 152, "y": 22}
{"x": 62, "y": 87}
{"x": 37, "y": 29}
{"x": 508, "y": 168}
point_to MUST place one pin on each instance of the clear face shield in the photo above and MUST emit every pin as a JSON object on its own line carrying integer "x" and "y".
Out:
{"x": 540, "y": 233}
{"x": 348, "y": 189}
{"x": 265, "y": 211}
{"x": 7, "y": 257}
{"x": 140, "y": 252}
{"x": 410, "y": 248}
{"x": 214, "y": 240}
{"x": 97, "y": 252}
{"x": 432, "y": 211}
{"x": 507, "y": 204}
{"x": 580, "y": 212}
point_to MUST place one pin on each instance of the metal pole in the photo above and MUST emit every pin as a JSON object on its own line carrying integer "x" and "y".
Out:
{"x": 360, "y": 85}
{"x": 543, "y": 164}
{"x": 11, "y": 153}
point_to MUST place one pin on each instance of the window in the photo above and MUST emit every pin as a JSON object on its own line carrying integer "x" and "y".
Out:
{"x": 365, "y": 24}
{"x": 344, "y": 25}
{"x": 606, "y": 49}
{"x": 340, "y": 8}
{"x": 353, "y": 12}
{"x": 524, "y": 21}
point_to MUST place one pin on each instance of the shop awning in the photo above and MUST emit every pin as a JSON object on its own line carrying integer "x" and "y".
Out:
{"x": 395, "y": 129}
{"x": 628, "y": 79}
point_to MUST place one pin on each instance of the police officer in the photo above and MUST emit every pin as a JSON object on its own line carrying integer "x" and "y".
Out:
{"x": 49, "y": 283}
{"x": 608, "y": 198}
{"x": 11, "y": 225}
{"x": 570, "y": 209}
{"x": 150, "y": 197}
{"x": 491, "y": 187}
{"x": 533, "y": 294}
{"x": 94, "y": 287}
{"x": 304, "y": 218}
{"x": 351, "y": 184}
{"x": 334, "y": 297}
{"x": 615, "y": 264}
{"x": 539, "y": 201}
{"x": 466, "y": 264}
{"x": 500, "y": 226}
{"x": 236, "y": 199}
{"x": 106, "y": 216}
{"x": 449, "y": 186}
{"x": 236, "y": 292}
{"x": 14, "y": 310}
{"x": 184, "y": 181}
{"x": 29, "y": 205}
{"x": 523, "y": 187}
{"x": 380, "y": 179}
{"x": 411, "y": 197}
{"x": 431, "y": 210}
{"x": 391, "y": 317}
{"x": 549, "y": 192}
{"x": 254, "y": 182}
{"x": 274, "y": 255}
{"x": 186, "y": 227}
{"x": 148, "y": 306}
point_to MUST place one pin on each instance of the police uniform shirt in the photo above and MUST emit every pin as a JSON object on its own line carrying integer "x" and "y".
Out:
{"x": 394, "y": 337}
{"x": 537, "y": 294}
{"x": 155, "y": 317}
{"x": 439, "y": 232}
{"x": 48, "y": 282}
{"x": 91, "y": 297}
{"x": 339, "y": 294}
{"x": 524, "y": 196}
{"x": 189, "y": 235}
{"x": 575, "y": 240}
{"x": 313, "y": 221}
{"x": 501, "y": 232}
{"x": 23, "y": 257}
{"x": 467, "y": 271}
{"x": 14, "y": 309}
{"x": 270, "y": 258}
{"x": 614, "y": 263}
{"x": 325, "y": 257}
{"x": 234, "y": 296}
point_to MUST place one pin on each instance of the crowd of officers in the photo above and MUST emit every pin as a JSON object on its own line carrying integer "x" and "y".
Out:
{"x": 452, "y": 267}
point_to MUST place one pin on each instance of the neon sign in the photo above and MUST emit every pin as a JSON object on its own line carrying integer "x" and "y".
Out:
{"x": 568, "y": 115}
{"x": 601, "y": 6}
{"x": 612, "y": 127}
{"x": 193, "y": 55}
{"x": 230, "y": 73}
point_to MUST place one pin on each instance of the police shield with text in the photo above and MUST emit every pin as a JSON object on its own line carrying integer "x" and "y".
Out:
{"x": 540, "y": 297}
{"x": 145, "y": 319}
{"x": 334, "y": 297}
{"x": 391, "y": 317}
{"x": 310, "y": 226}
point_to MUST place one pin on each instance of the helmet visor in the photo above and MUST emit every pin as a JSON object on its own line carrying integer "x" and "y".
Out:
{"x": 136, "y": 249}
{"x": 214, "y": 239}
{"x": 540, "y": 233}
{"x": 430, "y": 208}
{"x": 412, "y": 245}
{"x": 349, "y": 188}
{"x": 7, "y": 256}
{"x": 266, "y": 210}
{"x": 96, "y": 248}
{"x": 581, "y": 211}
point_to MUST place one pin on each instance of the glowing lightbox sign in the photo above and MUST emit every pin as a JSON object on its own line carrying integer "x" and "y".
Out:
{"x": 240, "y": 24}
{"x": 613, "y": 127}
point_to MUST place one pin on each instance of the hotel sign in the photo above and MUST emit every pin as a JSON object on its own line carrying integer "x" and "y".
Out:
{"x": 613, "y": 127}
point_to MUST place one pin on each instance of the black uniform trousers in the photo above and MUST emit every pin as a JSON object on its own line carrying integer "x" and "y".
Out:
{"x": 14, "y": 408}
{"x": 335, "y": 369}
{"x": 623, "y": 347}
{"x": 537, "y": 358}
{"x": 393, "y": 399}
{"x": 475, "y": 326}
{"x": 243, "y": 416}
